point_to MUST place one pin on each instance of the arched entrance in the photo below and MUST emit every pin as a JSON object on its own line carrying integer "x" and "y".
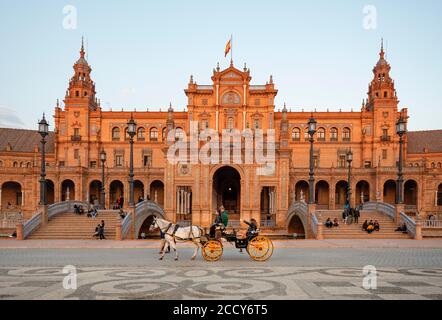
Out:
{"x": 296, "y": 226}
{"x": 341, "y": 193}
{"x": 116, "y": 190}
{"x": 11, "y": 196}
{"x": 144, "y": 232}
{"x": 50, "y": 188}
{"x": 302, "y": 191}
{"x": 227, "y": 191}
{"x": 390, "y": 192}
{"x": 95, "y": 192}
{"x": 362, "y": 192}
{"x": 67, "y": 190}
{"x": 157, "y": 192}
{"x": 322, "y": 191}
{"x": 138, "y": 191}
{"x": 410, "y": 193}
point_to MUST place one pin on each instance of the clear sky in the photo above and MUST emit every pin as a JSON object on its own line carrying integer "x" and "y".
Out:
{"x": 143, "y": 52}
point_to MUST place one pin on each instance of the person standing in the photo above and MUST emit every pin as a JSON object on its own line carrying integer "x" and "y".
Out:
{"x": 101, "y": 230}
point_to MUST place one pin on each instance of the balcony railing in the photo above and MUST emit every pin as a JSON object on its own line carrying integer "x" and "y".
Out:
{"x": 386, "y": 138}
{"x": 75, "y": 138}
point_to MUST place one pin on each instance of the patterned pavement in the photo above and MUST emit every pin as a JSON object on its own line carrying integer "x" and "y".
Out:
{"x": 292, "y": 273}
{"x": 221, "y": 283}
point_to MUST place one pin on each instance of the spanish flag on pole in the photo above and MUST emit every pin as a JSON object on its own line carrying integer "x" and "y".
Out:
{"x": 228, "y": 47}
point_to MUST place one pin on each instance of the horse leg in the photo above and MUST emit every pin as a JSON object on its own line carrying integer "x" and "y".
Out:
{"x": 163, "y": 252}
{"x": 173, "y": 244}
{"x": 196, "y": 250}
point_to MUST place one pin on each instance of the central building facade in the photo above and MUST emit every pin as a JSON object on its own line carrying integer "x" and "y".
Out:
{"x": 192, "y": 191}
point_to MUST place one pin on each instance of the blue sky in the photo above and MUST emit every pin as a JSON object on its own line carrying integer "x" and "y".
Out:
{"x": 143, "y": 52}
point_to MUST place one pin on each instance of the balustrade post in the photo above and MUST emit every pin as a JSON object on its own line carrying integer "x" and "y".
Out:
{"x": 319, "y": 235}
{"x": 19, "y": 231}
{"x": 118, "y": 233}
{"x": 44, "y": 214}
{"x": 400, "y": 207}
{"x": 311, "y": 209}
{"x": 133, "y": 222}
{"x": 418, "y": 233}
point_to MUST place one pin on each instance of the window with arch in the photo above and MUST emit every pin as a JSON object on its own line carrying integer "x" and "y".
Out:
{"x": 433, "y": 165}
{"x": 306, "y": 135}
{"x": 116, "y": 134}
{"x": 153, "y": 134}
{"x": 416, "y": 165}
{"x": 21, "y": 165}
{"x": 296, "y": 134}
{"x": 333, "y": 134}
{"x": 15, "y": 164}
{"x": 141, "y": 134}
{"x": 346, "y": 134}
{"x": 1, "y": 163}
{"x": 179, "y": 134}
{"x": 164, "y": 134}
{"x": 321, "y": 134}
{"x": 230, "y": 123}
{"x": 439, "y": 165}
{"x": 28, "y": 165}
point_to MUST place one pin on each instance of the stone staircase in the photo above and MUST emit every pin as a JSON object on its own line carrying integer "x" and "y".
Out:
{"x": 354, "y": 231}
{"x": 68, "y": 226}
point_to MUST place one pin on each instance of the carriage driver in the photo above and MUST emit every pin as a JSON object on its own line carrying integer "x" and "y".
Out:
{"x": 221, "y": 220}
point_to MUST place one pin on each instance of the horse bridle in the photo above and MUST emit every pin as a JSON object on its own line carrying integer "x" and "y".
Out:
{"x": 167, "y": 228}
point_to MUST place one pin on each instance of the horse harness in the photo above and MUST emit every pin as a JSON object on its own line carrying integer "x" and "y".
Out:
{"x": 175, "y": 229}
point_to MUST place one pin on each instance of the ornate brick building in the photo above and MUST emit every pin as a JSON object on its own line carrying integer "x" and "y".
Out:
{"x": 192, "y": 191}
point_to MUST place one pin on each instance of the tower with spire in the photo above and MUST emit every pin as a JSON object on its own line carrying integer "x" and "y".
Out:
{"x": 381, "y": 90}
{"x": 81, "y": 89}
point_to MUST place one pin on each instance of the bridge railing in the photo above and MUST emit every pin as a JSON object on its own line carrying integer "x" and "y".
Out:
{"x": 410, "y": 223}
{"x": 65, "y": 206}
{"x": 32, "y": 224}
{"x": 315, "y": 226}
{"x": 386, "y": 208}
{"x": 125, "y": 225}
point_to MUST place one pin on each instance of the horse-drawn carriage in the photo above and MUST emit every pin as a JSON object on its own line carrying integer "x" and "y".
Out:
{"x": 258, "y": 247}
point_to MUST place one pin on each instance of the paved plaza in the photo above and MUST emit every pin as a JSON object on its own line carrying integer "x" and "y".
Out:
{"x": 297, "y": 270}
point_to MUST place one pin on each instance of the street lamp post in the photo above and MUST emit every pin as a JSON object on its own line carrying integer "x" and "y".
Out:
{"x": 311, "y": 131}
{"x": 103, "y": 191}
{"x": 43, "y": 129}
{"x": 401, "y": 130}
{"x": 349, "y": 160}
{"x": 131, "y": 130}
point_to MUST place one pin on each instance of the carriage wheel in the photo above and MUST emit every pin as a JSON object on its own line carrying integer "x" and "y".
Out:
{"x": 260, "y": 248}
{"x": 212, "y": 250}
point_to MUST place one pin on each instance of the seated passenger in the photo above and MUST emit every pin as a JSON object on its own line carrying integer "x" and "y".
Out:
{"x": 335, "y": 222}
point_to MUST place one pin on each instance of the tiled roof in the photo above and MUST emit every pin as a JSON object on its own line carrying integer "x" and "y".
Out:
{"x": 24, "y": 140}
{"x": 430, "y": 140}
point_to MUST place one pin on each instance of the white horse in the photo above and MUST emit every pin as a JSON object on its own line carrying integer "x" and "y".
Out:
{"x": 182, "y": 234}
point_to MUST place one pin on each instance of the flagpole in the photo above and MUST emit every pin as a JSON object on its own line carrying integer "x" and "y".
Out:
{"x": 231, "y": 49}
